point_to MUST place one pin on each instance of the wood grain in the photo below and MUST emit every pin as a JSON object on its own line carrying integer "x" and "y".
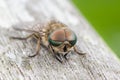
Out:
{"x": 99, "y": 63}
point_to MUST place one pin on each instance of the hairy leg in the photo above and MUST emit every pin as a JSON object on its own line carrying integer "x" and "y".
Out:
{"x": 65, "y": 56}
{"x": 78, "y": 51}
{"x": 31, "y": 36}
{"x": 37, "y": 49}
{"x": 57, "y": 55}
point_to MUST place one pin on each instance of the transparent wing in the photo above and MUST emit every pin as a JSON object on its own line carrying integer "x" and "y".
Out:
{"x": 29, "y": 27}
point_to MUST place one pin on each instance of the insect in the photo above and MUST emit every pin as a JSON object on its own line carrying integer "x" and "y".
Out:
{"x": 57, "y": 37}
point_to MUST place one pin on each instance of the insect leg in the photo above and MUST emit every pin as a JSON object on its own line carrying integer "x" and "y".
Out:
{"x": 78, "y": 51}
{"x": 37, "y": 49}
{"x": 57, "y": 55}
{"x": 65, "y": 56}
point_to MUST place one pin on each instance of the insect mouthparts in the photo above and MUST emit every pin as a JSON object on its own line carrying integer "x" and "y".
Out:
{"x": 65, "y": 48}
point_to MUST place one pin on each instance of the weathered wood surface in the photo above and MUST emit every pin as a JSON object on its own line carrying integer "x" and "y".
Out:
{"x": 99, "y": 63}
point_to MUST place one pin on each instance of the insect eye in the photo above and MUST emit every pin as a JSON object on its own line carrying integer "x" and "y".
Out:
{"x": 73, "y": 42}
{"x": 54, "y": 43}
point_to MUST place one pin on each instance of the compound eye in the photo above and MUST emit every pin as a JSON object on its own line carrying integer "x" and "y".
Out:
{"x": 56, "y": 38}
{"x": 54, "y": 43}
{"x": 73, "y": 42}
{"x": 71, "y": 37}
{"x": 74, "y": 39}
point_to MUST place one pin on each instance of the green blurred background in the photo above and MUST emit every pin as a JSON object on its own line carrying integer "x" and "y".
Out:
{"x": 104, "y": 15}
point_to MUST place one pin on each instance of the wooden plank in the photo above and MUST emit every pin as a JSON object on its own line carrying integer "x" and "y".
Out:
{"x": 99, "y": 63}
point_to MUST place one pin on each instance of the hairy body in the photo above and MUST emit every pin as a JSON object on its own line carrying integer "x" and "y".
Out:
{"x": 55, "y": 36}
